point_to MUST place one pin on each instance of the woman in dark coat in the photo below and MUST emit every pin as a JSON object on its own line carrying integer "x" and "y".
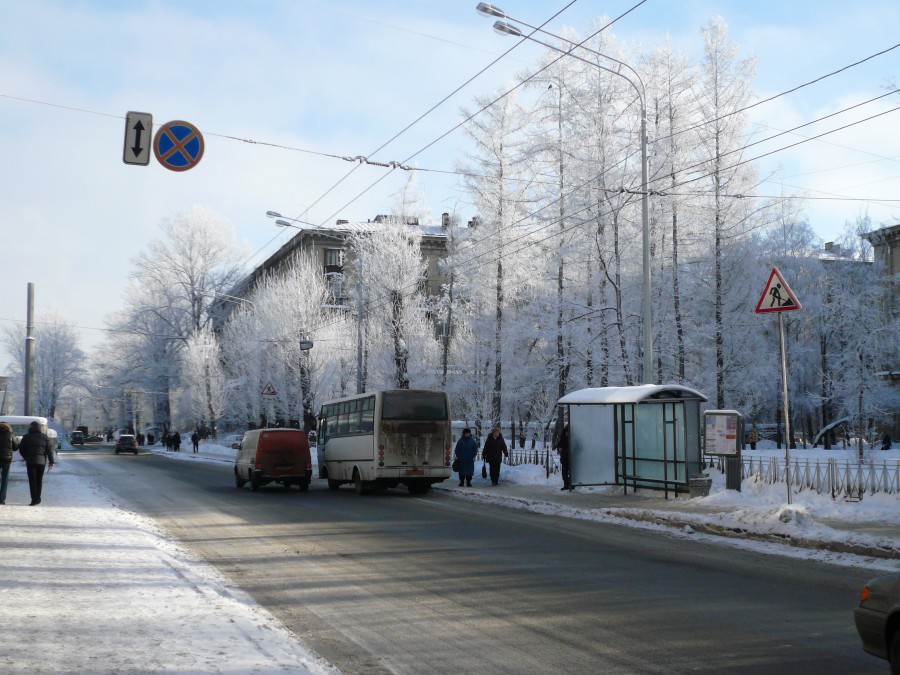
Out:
{"x": 8, "y": 446}
{"x": 493, "y": 453}
{"x": 36, "y": 451}
{"x": 466, "y": 450}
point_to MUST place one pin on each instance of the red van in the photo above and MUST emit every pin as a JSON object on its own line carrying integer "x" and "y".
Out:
{"x": 273, "y": 456}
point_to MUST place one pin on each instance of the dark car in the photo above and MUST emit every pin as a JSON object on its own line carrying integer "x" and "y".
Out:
{"x": 878, "y": 618}
{"x": 126, "y": 443}
{"x": 77, "y": 438}
{"x": 94, "y": 439}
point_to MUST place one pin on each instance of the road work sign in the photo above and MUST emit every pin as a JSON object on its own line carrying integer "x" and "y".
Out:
{"x": 777, "y": 296}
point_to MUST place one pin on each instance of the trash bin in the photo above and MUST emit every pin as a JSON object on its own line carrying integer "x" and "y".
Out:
{"x": 699, "y": 485}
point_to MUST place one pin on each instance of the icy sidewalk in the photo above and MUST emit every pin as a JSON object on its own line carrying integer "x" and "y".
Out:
{"x": 89, "y": 588}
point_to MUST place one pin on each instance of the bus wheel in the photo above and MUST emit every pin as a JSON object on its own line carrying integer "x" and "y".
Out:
{"x": 360, "y": 484}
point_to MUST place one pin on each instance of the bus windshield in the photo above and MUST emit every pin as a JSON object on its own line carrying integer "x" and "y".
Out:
{"x": 414, "y": 405}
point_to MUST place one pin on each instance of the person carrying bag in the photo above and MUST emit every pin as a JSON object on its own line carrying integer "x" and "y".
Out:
{"x": 466, "y": 450}
{"x": 493, "y": 453}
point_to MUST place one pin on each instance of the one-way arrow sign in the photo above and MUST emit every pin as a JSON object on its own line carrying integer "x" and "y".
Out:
{"x": 138, "y": 138}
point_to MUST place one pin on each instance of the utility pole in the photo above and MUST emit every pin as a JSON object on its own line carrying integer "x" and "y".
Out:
{"x": 29, "y": 353}
{"x": 360, "y": 326}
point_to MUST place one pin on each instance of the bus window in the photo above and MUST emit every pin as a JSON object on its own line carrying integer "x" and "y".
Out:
{"x": 367, "y": 421}
{"x": 420, "y": 405}
{"x": 353, "y": 423}
{"x": 343, "y": 419}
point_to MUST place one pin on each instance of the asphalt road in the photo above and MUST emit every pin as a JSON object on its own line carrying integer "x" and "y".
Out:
{"x": 391, "y": 583}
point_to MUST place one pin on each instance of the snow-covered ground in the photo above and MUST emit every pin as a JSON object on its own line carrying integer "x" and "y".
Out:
{"x": 88, "y": 587}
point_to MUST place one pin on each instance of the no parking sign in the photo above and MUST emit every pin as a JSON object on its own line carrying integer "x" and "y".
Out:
{"x": 178, "y": 145}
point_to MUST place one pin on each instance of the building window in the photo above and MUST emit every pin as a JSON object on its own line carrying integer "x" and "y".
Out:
{"x": 334, "y": 260}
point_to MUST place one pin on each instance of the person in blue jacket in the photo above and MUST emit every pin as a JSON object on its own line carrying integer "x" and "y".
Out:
{"x": 466, "y": 450}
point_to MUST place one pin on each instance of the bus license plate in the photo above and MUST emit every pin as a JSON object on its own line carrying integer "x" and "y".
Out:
{"x": 415, "y": 472}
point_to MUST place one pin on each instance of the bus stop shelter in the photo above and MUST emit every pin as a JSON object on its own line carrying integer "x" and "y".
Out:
{"x": 640, "y": 436}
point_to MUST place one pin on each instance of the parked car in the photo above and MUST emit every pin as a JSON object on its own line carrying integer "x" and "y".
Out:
{"x": 878, "y": 618}
{"x": 76, "y": 438}
{"x": 126, "y": 443}
{"x": 233, "y": 441}
{"x": 94, "y": 439}
{"x": 273, "y": 456}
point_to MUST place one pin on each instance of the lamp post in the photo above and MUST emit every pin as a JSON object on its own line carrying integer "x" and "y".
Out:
{"x": 505, "y": 28}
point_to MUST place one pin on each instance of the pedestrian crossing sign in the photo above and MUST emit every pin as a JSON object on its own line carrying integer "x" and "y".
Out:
{"x": 777, "y": 295}
{"x": 268, "y": 390}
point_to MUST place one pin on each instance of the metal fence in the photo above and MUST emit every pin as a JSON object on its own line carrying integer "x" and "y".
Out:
{"x": 837, "y": 477}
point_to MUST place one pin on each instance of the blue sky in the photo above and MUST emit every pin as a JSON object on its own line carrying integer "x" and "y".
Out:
{"x": 342, "y": 78}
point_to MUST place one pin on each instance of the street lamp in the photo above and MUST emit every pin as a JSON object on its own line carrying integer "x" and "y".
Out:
{"x": 289, "y": 222}
{"x": 505, "y": 28}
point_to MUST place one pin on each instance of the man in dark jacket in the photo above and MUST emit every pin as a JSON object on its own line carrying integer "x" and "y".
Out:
{"x": 8, "y": 446}
{"x": 36, "y": 450}
{"x": 493, "y": 453}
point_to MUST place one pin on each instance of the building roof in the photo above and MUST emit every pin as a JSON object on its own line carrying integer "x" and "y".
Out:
{"x": 635, "y": 394}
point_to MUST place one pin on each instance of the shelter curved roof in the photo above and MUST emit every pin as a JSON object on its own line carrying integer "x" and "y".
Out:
{"x": 636, "y": 394}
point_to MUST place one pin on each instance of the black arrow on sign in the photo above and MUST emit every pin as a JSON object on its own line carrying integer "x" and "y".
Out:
{"x": 138, "y": 128}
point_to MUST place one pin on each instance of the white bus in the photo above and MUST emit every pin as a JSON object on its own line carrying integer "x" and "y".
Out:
{"x": 385, "y": 438}
{"x": 20, "y": 424}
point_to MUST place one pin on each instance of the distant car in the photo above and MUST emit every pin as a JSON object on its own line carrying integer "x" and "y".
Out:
{"x": 233, "y": 441}
{"x": 878, "y": 618}
{"x": 94, "y": 439}
{"x": 126, "y": 443}
{"x": 76, "y": 438}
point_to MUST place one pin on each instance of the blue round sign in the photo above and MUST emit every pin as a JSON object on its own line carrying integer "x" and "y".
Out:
{"x": 178, "y": 145}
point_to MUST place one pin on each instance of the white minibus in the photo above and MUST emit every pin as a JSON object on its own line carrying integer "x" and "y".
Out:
{"x": 384, "y": 439}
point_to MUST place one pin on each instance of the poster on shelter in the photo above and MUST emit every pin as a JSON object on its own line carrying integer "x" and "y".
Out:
{"x": 721, "y": 433}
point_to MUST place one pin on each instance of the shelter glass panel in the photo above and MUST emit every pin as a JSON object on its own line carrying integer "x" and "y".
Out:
{"x": 592, "y": 444}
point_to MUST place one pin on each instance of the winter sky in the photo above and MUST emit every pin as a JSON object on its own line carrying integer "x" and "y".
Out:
{"x": 311, "y": 82}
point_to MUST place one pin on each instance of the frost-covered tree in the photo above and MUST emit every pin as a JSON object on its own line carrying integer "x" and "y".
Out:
{"x": 401, "y": 343}
{"x": 500, "y": 186}
{"x": 59, "y": 362}
{"x": 723, "y": 91}
{"x": 204, "y": 378}
{"x": 174, "y": 285}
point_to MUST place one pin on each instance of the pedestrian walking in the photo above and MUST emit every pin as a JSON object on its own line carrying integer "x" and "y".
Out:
{"x": 176, "y": 442}
{"x": 8, "y": 447}
{"x": 753, "y": 437}
{"x": 167, "y": 441}
{"x": 493, "y": 453}
{"x": 37, "y": 452}
{"x": 195, "y": 440}
{"x": 466, "y": 450}
{"x": 562, "y": 447}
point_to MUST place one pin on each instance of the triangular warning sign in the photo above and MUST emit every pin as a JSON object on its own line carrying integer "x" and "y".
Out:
{"x": 268, "y": 390}
{"x": 777, "y": 296}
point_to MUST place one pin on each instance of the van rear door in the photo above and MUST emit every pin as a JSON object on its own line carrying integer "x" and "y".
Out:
{"x": 283, "y": 452}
